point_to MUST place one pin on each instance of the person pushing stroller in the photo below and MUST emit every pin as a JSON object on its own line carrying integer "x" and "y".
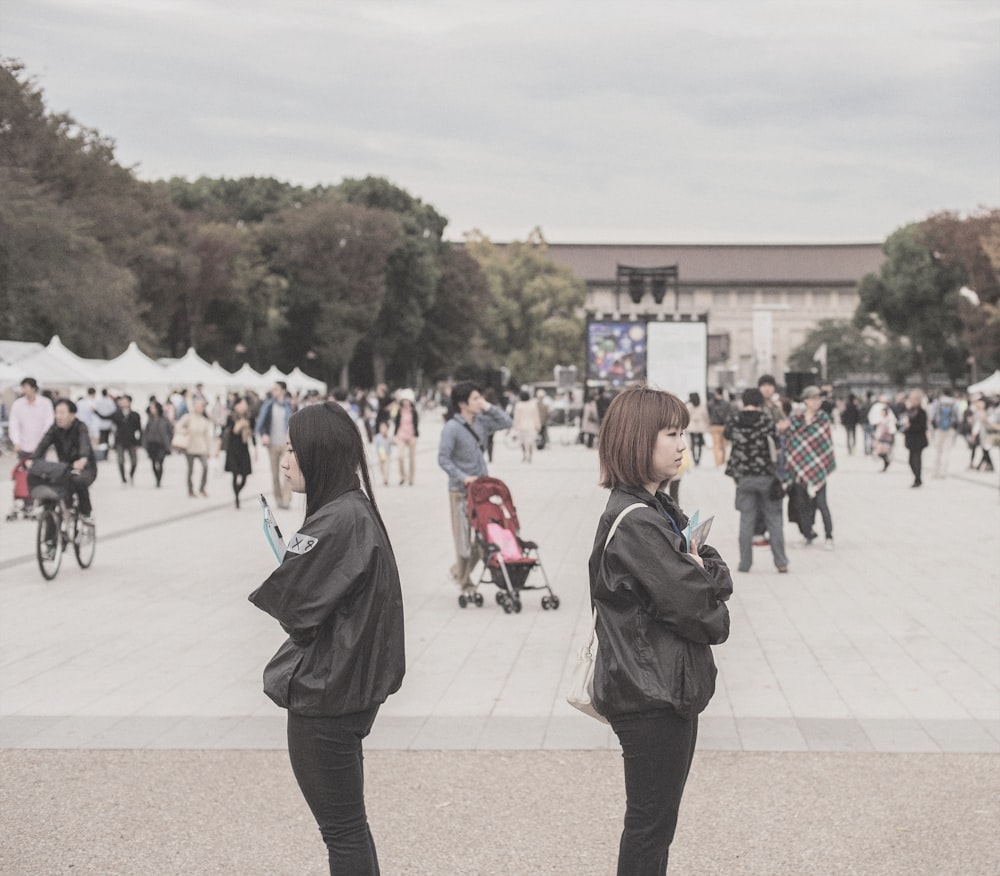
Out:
{"x": 461, "y": 455}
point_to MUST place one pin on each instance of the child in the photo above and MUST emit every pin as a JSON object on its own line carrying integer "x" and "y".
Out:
{"x": 383, "y": 448}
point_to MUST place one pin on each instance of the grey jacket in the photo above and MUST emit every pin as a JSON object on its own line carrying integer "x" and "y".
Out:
{"x": 460, "y": 453}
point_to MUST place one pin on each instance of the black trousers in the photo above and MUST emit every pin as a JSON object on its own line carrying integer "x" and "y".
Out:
{"x": 657, "y": 751}
{"x": 915, "y": 458}
{"x": 328, "y": 764}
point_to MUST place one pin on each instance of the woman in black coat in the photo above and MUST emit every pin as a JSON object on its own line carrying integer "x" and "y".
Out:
{"x": 660, "y": 605}
{"x": 915, "y": 433}
{"x": 237, "y": 436}
{"x": 337, "y": 595}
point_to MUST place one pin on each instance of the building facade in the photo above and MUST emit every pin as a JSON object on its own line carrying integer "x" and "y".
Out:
{"x": 760, "y": 301}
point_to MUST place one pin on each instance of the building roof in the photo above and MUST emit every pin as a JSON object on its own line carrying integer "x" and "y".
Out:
{"x": 719, "y": 264}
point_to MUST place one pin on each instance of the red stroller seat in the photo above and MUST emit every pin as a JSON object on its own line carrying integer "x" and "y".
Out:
{"x": 508, "y": 560}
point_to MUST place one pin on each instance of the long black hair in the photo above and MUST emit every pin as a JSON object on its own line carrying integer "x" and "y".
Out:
{"x": 330, "y": 453}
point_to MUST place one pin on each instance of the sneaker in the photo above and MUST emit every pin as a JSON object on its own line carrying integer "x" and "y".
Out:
{"x": 829, "y": 544}
{"x": 808, "y": 540}
{"x": 88, "y": 520}
{"x": 783, "y": 569}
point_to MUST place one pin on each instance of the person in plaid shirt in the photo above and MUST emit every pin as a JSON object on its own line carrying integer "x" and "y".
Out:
{"x": 809, "y": 462}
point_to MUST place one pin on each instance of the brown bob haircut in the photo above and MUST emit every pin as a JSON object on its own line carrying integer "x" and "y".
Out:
{"x": 631, "y": 425}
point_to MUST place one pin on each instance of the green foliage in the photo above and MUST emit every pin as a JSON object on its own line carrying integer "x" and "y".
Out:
{"x": 848, "y": 349}
{"x": 914, "y": 300}
{"x": 534, "y": 321}
{"x": 333, "y": 257}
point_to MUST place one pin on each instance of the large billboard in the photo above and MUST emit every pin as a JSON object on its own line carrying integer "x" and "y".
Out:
{"x": 670, "y": 355}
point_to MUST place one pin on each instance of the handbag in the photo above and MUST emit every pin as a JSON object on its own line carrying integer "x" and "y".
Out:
{"x": 581, "y": 686}
{"x": 180, "y": 441}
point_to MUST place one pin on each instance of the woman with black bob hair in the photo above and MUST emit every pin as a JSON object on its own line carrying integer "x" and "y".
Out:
{"x": 337, "y": 595}
{"x": 660, "y": 605}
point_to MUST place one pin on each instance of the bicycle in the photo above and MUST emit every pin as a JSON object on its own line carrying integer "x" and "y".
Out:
{"x": 60, "y": 525}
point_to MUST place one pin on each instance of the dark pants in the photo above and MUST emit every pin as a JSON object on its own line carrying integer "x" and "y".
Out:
{"x": 805, "y": 508}
{"x": 753, "y": 499}
{"x": 122, "y": 453}
{"x": 191, "y": 457}
{"x": 915, "y": 458}
{"x": 328, "y": 764}
{"x": 852, "y": 437}
{"x": 80, "y": 484}
{"x": 156, "y": 453}
{"x": 697, "y": 440}
{"x": 657, "y": 751}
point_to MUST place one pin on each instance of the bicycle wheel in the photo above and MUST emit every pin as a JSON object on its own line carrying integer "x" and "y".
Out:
{"x": 49, "y": 543}
{"x": 84, "y": 541}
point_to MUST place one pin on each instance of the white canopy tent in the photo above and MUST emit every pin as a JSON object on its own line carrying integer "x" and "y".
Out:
{"x": 49, "y": 370}
{"x": 246, "y": 377}
{"x": 191, "y": 369}
{"x": 299, "y": 381}
{"x": 134, "y": 371}
{"x": 90, "y": 367}
{"x": 274, "y": 374}
{"x": 989, "y": 386}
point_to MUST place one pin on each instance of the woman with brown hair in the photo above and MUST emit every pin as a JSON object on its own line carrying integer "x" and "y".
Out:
{"x": 236, "y": 439}
{"x": 660, "y": 605}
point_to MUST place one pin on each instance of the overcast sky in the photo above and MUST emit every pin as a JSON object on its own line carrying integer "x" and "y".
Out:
{"x": 654, "y": 122}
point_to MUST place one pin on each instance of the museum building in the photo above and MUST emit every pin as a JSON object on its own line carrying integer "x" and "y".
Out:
{"x": 759, "y": 301}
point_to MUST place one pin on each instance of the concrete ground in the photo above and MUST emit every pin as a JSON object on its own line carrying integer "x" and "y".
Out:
{"x": 856, "y": 727}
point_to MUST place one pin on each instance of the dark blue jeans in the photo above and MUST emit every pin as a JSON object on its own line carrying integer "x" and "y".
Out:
{"x": 657, "y": 751}
{"x": 328, "y": 763}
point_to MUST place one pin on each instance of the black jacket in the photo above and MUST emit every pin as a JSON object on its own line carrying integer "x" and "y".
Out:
{"x": 128, "y": 428}
{"x": 749, "y": 431}
{"x": 71, "y": 444}
{"x": 658, "y": 612}
{"x": 337, "y": 595}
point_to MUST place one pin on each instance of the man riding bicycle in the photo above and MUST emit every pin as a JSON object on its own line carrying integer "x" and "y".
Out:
{"x": 71, "y": 440}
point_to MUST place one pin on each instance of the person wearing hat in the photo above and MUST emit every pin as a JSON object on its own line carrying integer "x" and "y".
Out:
{"x": 809, "y": 462}
{"x": 407, "y": 430}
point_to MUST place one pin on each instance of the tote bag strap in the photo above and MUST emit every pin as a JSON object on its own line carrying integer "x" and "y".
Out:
{"x": 607, "y": 541}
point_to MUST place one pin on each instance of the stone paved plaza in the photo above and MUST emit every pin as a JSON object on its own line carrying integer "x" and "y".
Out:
{"x": 856, "y": 727}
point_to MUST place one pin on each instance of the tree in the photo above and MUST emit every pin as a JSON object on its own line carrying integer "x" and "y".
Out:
{"x": 333, "y": 258}
{"x": 972, "y": 243}
{"x": 913, "y": 300}
{"x": 535, "y": 320}
{"x": 396, "y": 343}
{"x": 848, "y": 349}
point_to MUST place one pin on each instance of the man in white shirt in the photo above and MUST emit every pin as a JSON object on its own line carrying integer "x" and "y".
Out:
{"x": 31, "y": 415}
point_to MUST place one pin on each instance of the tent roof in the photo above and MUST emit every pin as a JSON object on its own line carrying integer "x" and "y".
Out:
{"x": 988, "y": 386}
{"x": 48, "y": 369}
{"x": 191, "y": 369}
{"x": 133, "y": 368}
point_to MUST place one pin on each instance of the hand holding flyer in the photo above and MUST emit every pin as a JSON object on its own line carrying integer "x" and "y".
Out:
{"x": 271, "y": 531}
{"x": 697, "y": 532}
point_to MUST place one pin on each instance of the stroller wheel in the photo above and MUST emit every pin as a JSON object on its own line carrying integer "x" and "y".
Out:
{"x": 479, "y": 600}
{"x": 501, "y": 597}
{"x": 463, "y": 601}
{"x": 554, "y": 602}
{"x": 546, "y": 603}
{"x": 517, "y": 605}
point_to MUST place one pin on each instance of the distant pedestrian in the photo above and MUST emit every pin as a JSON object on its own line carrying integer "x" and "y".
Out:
{"x": 661, "y": 604}
{"x": 128, "y": 436}
{"x": 867, "y": 426}
{"x": 810, "y": 462}
{"x": 945, "y": 417}
{"x": 237, "y": 439}
{"x": 156, "y": 438}
{"x": 697, "y": 427}
{"x": 719, "y": 410}
{"x": 197, "y": 431}
{"x": 590, "y": 422}
{"x": 383, "y": 449}
{"x": 31, "y": 416}
{"x": 753, "y": 465}
{"x": 406, "y": 432}
{"x": 850, "y": 416}
{"x": 272, "y": 427}
{"x": 915, "y": 433}
{"x": 885, "y": 433}
{"x": 337, "y": 595}
{"x": 527, "y": 424}
{"x": 981, "y": 431}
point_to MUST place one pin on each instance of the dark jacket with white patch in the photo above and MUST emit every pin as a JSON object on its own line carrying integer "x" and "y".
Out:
{"x": 337, "y": 595}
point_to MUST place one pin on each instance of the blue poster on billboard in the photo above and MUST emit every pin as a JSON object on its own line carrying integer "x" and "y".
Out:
{"x": 616, "y": 352}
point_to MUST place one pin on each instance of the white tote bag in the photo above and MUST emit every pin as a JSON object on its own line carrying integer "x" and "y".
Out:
{"x": 581, "y": 688}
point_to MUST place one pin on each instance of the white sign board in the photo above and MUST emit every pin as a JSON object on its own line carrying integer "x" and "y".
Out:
{"x": 677, "y": 357}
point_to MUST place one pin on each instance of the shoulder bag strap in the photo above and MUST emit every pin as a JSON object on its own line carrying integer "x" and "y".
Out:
{"x": 607, "y": 541}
